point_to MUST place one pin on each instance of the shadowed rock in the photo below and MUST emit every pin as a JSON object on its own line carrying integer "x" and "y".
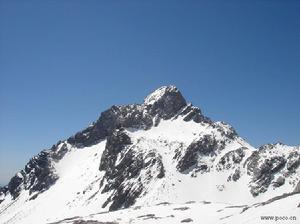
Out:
{"x": 263, "y": 173}
{"x": 163, "y": 103}
{"x": 230, "y": 159}
{"x": 122, "y": 165}
{"x": 205, "y": 146}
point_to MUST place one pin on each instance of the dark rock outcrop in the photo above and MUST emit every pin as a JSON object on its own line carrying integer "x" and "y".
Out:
{"x": 297, "y": 188}
{"x": 192, "y": 113}
{"x": 225, "y": 129}
{"x": 207, "y": 145}
{"x": 270, "y": 161}
{"x": 132, "y": 116}
{"x": 186, "y": 220}
{"x": 3, "y": 192}
{"x": 230, "y": 159}
{"x": 15, "y": 184}
{"x": 2, "y": 195}
{"x": 38, "y": 174}
{"x": 122, "y": 164}
{"x": 115, "y": 144}
{"x": 236, "y": 175}
{"x": 263, "y": 172}
{"x": 279, "y": 181}
{"x": 293, "y": 161}
{"x": 164, "y": 103}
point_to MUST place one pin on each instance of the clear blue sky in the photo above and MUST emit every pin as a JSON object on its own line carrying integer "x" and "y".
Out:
{"x": 63, "y": 62}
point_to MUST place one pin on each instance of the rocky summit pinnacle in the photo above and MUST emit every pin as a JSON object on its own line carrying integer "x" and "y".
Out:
{"x": 164, "y": 93}
{"x": 165, "y": 102}
{"x": 162, "y": 104}
{"x": 151, "y": 159}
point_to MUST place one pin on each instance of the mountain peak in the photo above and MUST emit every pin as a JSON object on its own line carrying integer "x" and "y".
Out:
{"x": 161, "y": 93}
{"x": 166, "y": 102}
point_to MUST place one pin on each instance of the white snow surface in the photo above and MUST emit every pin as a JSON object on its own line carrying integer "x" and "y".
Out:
{"x": 284, "y": 210}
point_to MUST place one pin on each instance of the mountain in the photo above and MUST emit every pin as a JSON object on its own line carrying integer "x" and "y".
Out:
{"x": 161, "y": 161}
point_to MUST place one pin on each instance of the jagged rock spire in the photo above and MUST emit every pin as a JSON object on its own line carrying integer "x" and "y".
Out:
{"x": 165, "y": 102}
{"x": 162, "y": 93}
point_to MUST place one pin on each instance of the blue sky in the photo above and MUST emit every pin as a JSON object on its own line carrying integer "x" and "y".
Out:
{"x": 63, "y": 62}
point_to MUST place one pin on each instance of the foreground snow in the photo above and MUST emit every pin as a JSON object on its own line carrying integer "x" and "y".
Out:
{"x": 282, "y": 211}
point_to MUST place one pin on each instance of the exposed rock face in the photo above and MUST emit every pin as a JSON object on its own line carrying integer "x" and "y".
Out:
{"x": 192, "y": 114}
{"x": 297, "y": 188}
{"x": 115, "y": 144}
{"x": 230, "y": 159}
{"x": 279, "y": 181}
{"x": 3, "y": 192}
{"x": 115, "y": 117}
{"x": 38, "y": 174}
{"x": 15, "y": 185}
{"x": 122, "y": 164}
{"x": 236, "y": 175}
{"x": 263, "y": 174}
{"x": 205, "y": 146}
{"x": 39, "y": 171}
{"x": 269, "y": 161}
{"x": 164, "y": 103}
{"x": 225, "y": 129}
{"x": 293, "y": 161}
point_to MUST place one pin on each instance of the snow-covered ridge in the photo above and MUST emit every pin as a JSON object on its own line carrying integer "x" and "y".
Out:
{"x": 141, "y": 155}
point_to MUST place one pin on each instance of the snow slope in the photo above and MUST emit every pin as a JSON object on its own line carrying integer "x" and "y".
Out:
{"x": 199, "y": 212}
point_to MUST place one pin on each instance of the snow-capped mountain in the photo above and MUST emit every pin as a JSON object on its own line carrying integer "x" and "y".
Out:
{"x": 161, "y": 161}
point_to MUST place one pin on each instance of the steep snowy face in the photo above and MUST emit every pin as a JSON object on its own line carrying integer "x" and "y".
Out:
{"x": 163, "y": 150}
